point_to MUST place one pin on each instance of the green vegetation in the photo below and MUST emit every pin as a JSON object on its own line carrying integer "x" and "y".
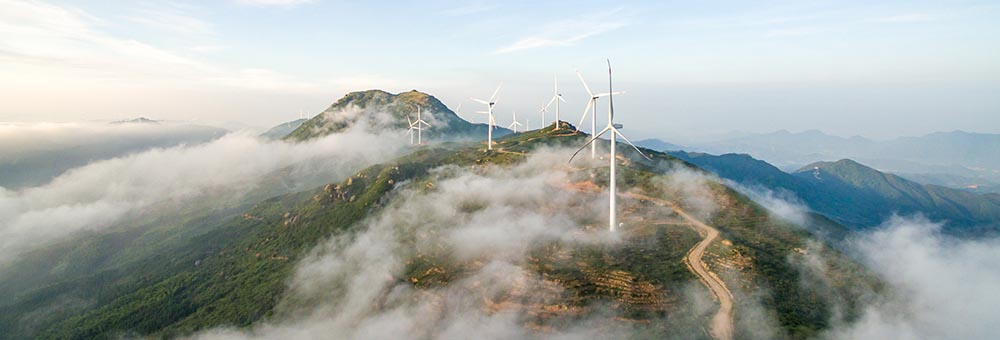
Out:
{"x": 233, "y": 270}
{"x": 382, "y": 109}
{"x": 859, "y": 196}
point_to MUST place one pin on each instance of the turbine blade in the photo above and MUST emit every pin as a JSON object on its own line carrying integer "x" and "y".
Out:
{"x": 605, "y": 94}
{"x": 586, "y": 110}
{"x": 630, "y": 143}
{"x": 584, "y": 83}
{"x": 493, "y": 97}
{"x": 560, "y": 98}
{"x": 550, "y": 103}
{"x": 592, "y": 139}
{"x": 480, "y": 101}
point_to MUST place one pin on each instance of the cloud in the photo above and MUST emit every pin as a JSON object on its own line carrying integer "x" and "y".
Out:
{"x": 905, "y": 18}
{"x": 356, "y": 285}
{"x": 172, "y": 17}
{"x": 566, "y": 32}
{"x": 46, "y": 44}
{"x": 940, "y": 287}
{"x": 469, "y": 9}
{"x": 284, "y": 3}
{"x": 782, "y": 204}
{"x": 224, "y": 172}
{"x": 33, "y": 154}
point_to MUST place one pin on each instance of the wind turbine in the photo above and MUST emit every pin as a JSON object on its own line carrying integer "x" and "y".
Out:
{"x": 592, "y": 103}
{"x": 612, "y": 217}
{"x": 556, "y": 98}
{"x": 489, "y": 112}
{"x": 410, "y": 129}
{"x": 418, "y": 125}
{"x": 514, "y": 125}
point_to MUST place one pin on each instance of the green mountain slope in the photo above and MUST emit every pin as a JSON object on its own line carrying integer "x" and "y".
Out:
{"x": 236, "y": 272}
{"x": 281, "y": 130}
{"x": 856, "y": 195}
{"x": 380, "y": 109}
{"x": 903, "y": 196}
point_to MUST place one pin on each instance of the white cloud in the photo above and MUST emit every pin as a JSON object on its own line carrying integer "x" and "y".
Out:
{"x": 104, "y": 193}
{"x": 469, "y": 9}
{"x": 48, "y": 46}
{"x": 172, "y": 17}
{"x": 567, "y": 32}
{"x": 286, "y": 3}
{"x": 940, "y": 287}
{"x": 354, "y": 286}
{"x": 905, "y": 18}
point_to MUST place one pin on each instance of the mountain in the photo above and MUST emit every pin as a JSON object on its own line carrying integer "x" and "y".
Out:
{"x": 958, "y": 153}
{"x": 281, "y": 130}
{"x": 377, "y": 109}
{"x": 140, "y": 120}
{"x": 32, "y": 155}
{"x": 856, "y": 195}
{"x": 659, "y": 145}
{"x": 399, "y": 220}
{"x": 897, "y": 194}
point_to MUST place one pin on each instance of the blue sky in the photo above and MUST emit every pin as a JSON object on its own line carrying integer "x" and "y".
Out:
{"x": 691, "y": 68}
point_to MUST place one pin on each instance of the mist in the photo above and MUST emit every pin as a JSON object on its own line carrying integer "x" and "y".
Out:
{"x": 940, "y": 287}
{"x": 221, "y": 173}
{"x": 33, "y": 154}
{"x": 486, "y": 220}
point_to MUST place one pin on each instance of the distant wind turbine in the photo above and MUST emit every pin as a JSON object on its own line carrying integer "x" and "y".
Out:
{"x": 514, "y": 125}
{"x": 556, "y": 98}
{"x": 489, "y": 112}
{"x": 417, "y": 125}
{"x": 612, "y": 217}
{"x": 591, "y": 104}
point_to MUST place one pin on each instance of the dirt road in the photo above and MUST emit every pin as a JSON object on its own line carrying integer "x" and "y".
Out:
{"x": 722, "y": 323}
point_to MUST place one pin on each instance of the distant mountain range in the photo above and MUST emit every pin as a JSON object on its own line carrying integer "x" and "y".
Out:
{"x": 379, "y": 109}
{"x": 281, "y": 130}
{"x": 956, "y": 159}
{"x": 32, "y": 156}
{"x": 857, "y": 195}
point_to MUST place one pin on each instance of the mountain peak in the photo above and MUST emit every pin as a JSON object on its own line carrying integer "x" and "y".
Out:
{"x": 379, "y": 109}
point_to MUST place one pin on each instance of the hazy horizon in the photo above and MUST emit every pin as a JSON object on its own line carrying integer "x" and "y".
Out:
{"x": 690, "y": 70}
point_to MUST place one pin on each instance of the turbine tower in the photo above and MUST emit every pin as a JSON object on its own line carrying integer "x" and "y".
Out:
{"x": 514, "y": 125}
{"x": 591, "y": 104}
{"x": 556, "y": 98}
{"x": 410, "y": 129}
{"x": 612, "y": 217}
{"x": 418, "y": 125}
{"x": 489, "y": 112}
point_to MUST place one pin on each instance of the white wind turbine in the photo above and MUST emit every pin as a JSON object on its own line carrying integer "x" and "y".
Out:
{"x": 612, "y": 218}
{"x": 458, "y": 110}
{"x": 514, "y": 125}
{"x": 489, "y": 112}
{"x": 417, "y": 125}
{"x": 556, "y": 98}
{"x": 592, "y": 103}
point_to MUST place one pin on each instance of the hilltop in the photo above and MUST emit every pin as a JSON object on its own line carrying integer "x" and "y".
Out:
{"x": 237, "y": 272}
{"x": 378, "y": 109}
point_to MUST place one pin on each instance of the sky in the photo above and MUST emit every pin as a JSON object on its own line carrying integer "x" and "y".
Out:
{"x": 690, "y": 69}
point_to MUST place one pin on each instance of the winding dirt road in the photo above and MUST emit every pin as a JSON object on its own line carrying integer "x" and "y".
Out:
{"x": 722, "y": 323}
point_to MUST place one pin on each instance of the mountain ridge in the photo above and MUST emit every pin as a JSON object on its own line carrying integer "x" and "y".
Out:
{"x": 378, "y": 109}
